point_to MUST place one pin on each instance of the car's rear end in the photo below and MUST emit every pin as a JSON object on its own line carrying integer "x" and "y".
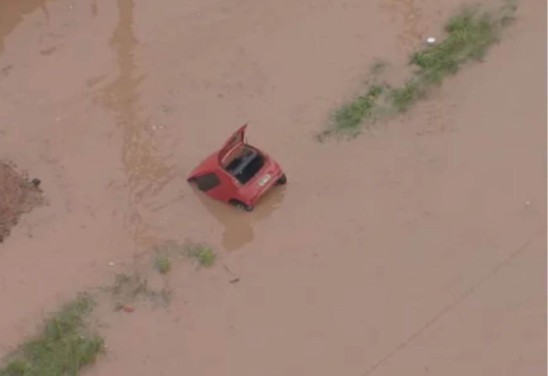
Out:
{"x": 263, "y": 180}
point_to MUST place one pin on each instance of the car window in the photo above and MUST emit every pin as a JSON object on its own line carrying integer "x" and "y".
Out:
{"x": 207, "y": 181}
{"x": 246, "y": 165}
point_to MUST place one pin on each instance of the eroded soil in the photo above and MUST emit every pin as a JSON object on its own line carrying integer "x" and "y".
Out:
{"x": 417, "y": 248}
{"x": 18, "y": 195}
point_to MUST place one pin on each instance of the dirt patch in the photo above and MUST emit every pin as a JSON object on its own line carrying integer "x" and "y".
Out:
{"x": 18, "y": 195}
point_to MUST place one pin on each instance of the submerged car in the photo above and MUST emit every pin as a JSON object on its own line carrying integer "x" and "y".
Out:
{"x": 238, "y": 173}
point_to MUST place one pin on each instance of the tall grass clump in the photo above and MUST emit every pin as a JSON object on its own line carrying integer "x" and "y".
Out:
{"x": 162, "y": 264}
{"x": 350, "y": 116}
{"x": 63, "y": 347}
{"x": 468, "y": 36}
{"x": 202, "y": 253}
{"x": 470, "y": 33}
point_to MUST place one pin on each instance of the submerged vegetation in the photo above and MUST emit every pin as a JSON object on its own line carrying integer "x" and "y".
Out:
{"x": 162, "y": 264}
{"x": 201, "y": 252}
{"x": 65, "y": 345}
{"x": 170, "y": 250}
{"x": 469, "y": 34}
{"x": 131, "y": 288}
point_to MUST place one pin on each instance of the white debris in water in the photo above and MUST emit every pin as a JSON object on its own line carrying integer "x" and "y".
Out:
{"x": 430, "y": 40}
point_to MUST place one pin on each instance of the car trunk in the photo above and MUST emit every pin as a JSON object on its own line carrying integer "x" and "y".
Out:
{"x": 244, "y": 163}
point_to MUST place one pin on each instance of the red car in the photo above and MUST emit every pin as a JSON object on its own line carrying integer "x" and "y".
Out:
{"x": 238, "y": 173}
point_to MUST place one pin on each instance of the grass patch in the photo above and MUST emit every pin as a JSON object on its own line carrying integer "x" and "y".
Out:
{"x": 169, "y": 250}
{"x": 201, "y": 252}
{"x": 468, "y": 36}
{"x": 350, "y": 116}
{"x": 64, "y": 346}
{"x": 162, "y": 264}
{"x": 400, "y": 99}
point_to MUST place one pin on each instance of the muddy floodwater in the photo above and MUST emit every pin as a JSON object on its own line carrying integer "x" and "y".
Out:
{"x": 418, "y": 248}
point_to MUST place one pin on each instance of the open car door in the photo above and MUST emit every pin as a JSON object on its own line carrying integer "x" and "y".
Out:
{"x": 235, "y": 140}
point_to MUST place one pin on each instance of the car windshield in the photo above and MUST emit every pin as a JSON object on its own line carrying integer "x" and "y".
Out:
{"x": 246, "y": 163}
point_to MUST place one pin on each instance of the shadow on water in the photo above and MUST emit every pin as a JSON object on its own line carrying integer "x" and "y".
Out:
{"x": 12, "y": 13}
{"x": 239, "y": 225}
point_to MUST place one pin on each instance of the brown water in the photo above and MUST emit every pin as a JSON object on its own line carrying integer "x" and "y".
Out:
{"x": 417, "y": 248}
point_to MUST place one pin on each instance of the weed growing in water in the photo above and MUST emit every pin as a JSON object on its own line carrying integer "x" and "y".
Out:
{"x": 162, "y": 264}
{"x": 129, "y": 288}
{"x": 469, "y": 35}
{"x": 64, "y": 347}
{"x": 349, "y": 117}
{"x": 202, "y": 253}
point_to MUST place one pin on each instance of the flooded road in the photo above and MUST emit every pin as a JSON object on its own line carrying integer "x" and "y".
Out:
{"x": 417, "y": 248}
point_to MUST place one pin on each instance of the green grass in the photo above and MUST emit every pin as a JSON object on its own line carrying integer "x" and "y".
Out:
{"x": 169, "y": 250}
{"x": 469, "y": 35}
{"x": 63, "y": 348}
{"x": 400, "y": 99}
{"x": 202, "y": 253}
{"x": 162, "y": 264}
{"x": 350, "y": 116}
